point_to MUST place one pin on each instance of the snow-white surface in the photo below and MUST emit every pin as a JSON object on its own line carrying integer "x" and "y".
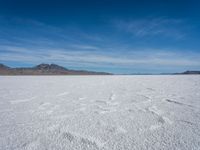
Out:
{"x": 100, "y": 112}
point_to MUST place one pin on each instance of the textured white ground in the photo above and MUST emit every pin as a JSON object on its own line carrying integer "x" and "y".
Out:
{"x": 100, "y": 112}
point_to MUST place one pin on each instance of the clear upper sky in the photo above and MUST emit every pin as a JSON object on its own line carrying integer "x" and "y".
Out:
{"x": 143, "y": 36}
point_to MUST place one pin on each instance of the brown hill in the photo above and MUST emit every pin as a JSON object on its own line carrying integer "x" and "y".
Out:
{"x": 45, "y": 69}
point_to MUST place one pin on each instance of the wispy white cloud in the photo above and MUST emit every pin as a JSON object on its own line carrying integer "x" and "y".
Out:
{"x": 152, "y": 27}
{"x": 158, "y": 58}
{"x": 34, "y": 32}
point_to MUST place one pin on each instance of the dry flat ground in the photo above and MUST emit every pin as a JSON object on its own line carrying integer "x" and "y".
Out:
{"x": 100, "y": 112}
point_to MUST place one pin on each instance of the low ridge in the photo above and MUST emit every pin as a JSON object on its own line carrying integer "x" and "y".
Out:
{"x": 46, "y": 69}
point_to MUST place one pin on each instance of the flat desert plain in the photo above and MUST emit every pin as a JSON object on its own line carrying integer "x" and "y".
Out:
{"x": 152, "y": 112}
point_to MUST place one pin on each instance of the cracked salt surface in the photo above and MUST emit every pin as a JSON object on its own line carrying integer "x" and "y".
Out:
{"x": 100, "y": 112}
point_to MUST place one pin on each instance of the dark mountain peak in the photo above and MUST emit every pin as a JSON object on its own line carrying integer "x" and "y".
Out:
{"x": 54, "y": 66}
{"x": 2, "y": 66}
{"x": 191, "y": 72}
{"x": 42, "y": 66}
{"x": 49, "y": 67}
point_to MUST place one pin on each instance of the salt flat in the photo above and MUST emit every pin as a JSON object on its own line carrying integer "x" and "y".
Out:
{"x": 100, "y": 112}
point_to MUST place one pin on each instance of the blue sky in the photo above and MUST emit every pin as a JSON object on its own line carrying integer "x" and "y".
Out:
{"x": 141, "y": 36}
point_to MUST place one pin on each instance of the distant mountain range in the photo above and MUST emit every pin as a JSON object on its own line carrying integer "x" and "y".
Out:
{"x": 189, "y": 72}
{"x": 53, "y": 69}
{"x": 45, "y": 69}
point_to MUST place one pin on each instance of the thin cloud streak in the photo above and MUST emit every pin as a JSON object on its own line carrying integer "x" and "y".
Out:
{"x": 152, "y": 27}
{"x": 43, "y": 33}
